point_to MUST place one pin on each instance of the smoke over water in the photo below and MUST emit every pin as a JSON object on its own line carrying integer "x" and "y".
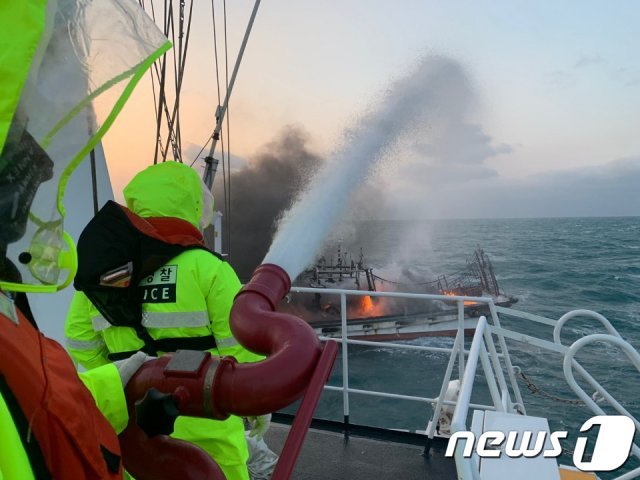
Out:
{"x": 406, "y": 106}
{"x": 260, "y": 193}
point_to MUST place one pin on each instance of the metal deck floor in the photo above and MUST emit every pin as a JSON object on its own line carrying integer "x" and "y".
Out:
{"x": 326, "y": 455}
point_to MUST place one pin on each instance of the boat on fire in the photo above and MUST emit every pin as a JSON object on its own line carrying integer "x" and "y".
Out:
{"x": 345, "y": 449}
{"x": 389, "y": 317}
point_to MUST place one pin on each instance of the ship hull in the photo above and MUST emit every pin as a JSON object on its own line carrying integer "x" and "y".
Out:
{"x": 396, "y": 328}
{"x": 443, "y": 323}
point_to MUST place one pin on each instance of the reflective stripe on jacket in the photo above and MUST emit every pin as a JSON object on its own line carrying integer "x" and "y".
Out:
{"x": 205, "y": 287}
{"x": 189, "y": 298}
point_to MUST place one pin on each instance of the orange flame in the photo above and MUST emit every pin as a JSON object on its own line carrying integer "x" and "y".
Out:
{"x": 366, "y": 303}
{"x": 450, "y": 293}
{"x": 368, "y": 307}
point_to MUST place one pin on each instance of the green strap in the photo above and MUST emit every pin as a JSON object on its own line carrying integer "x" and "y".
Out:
{"x": 138, "y": 72}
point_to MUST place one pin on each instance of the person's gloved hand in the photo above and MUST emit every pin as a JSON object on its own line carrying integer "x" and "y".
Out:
{"x": 259, "y": 425}
{"x": 129, "y": 366}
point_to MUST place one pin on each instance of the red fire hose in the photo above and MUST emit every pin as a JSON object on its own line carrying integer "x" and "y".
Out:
{"x": 204, "y": 386}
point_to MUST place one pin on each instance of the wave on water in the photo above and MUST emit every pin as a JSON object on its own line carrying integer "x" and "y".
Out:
{"x": 550, "y": 273}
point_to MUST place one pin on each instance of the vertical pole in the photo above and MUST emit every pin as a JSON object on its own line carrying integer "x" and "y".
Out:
{"x": 461, "y": 331}
{"x": 94, "y": 181}
{"x": 507, "y": 358}
{"x": 345, "y": 364}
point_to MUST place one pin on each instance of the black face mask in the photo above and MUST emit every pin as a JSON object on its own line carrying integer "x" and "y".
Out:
{"x": 24, "y": 165}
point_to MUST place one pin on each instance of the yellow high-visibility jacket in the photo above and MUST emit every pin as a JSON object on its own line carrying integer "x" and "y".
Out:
{"x": 188, "y": 298}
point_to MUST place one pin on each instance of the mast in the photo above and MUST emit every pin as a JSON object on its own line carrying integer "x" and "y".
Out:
{"x": 483, "y": 273}
{"x": 211, "y": 163}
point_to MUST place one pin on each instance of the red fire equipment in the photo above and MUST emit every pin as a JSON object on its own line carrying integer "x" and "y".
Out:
{"x": 197, "y": 384}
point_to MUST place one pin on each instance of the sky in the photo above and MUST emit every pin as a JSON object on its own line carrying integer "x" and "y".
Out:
{"x": 530, "y": 109}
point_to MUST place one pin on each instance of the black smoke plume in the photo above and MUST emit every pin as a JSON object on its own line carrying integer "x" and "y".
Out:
{"x": 260, "y": 193}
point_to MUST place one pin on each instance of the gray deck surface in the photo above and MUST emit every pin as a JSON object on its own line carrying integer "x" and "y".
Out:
{"x": 326, "y": 455}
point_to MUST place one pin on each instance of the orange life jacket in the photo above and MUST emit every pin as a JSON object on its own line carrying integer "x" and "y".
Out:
{"x": 62, "y": 430}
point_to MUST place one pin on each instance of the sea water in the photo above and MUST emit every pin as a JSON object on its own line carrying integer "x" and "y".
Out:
{"x": 551, "y": 266}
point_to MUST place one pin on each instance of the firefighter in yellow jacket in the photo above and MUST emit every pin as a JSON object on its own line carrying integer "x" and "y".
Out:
{"x": 185, "y": 305}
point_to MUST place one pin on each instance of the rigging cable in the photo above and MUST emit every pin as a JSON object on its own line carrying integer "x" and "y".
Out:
{"x": 165, "y": 110}
{"x": 163, "y": 107}
{"x": 172, "y": 131}
{"x": 226, "y": 66}
{"x": 195, "y": 159}
{"x": 184, "y": 63}
{"x": 218, "y": 110}
{"x": 171, "y": 140}
{"x": 222, "y": 108}
{"x": 176, "y": 112}
{"x": 161, "y": 80}
{"x": 226, "y": 169}
{"x": 162, "y": 100}
{"x": 182, "y": 57}
{"x": 232, "y": 80}
{"x": 153, "y": 83}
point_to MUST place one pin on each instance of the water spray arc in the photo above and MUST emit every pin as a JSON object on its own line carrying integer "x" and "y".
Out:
{"x": 197, "y": 384}
{"x": 406, "y": 105}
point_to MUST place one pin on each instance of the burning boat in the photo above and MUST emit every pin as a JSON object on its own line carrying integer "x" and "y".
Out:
{"x": 380, "y": 315}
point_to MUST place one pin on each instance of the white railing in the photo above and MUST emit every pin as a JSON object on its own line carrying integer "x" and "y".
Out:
{"x": 468, "y": 469}
{"x": 570, "y": 363}
{"x": 490, "y": 350}
{"x": 457, "y": 353}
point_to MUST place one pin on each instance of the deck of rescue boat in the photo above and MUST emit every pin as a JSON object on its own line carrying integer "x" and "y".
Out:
{"x": 367, "y": 453}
